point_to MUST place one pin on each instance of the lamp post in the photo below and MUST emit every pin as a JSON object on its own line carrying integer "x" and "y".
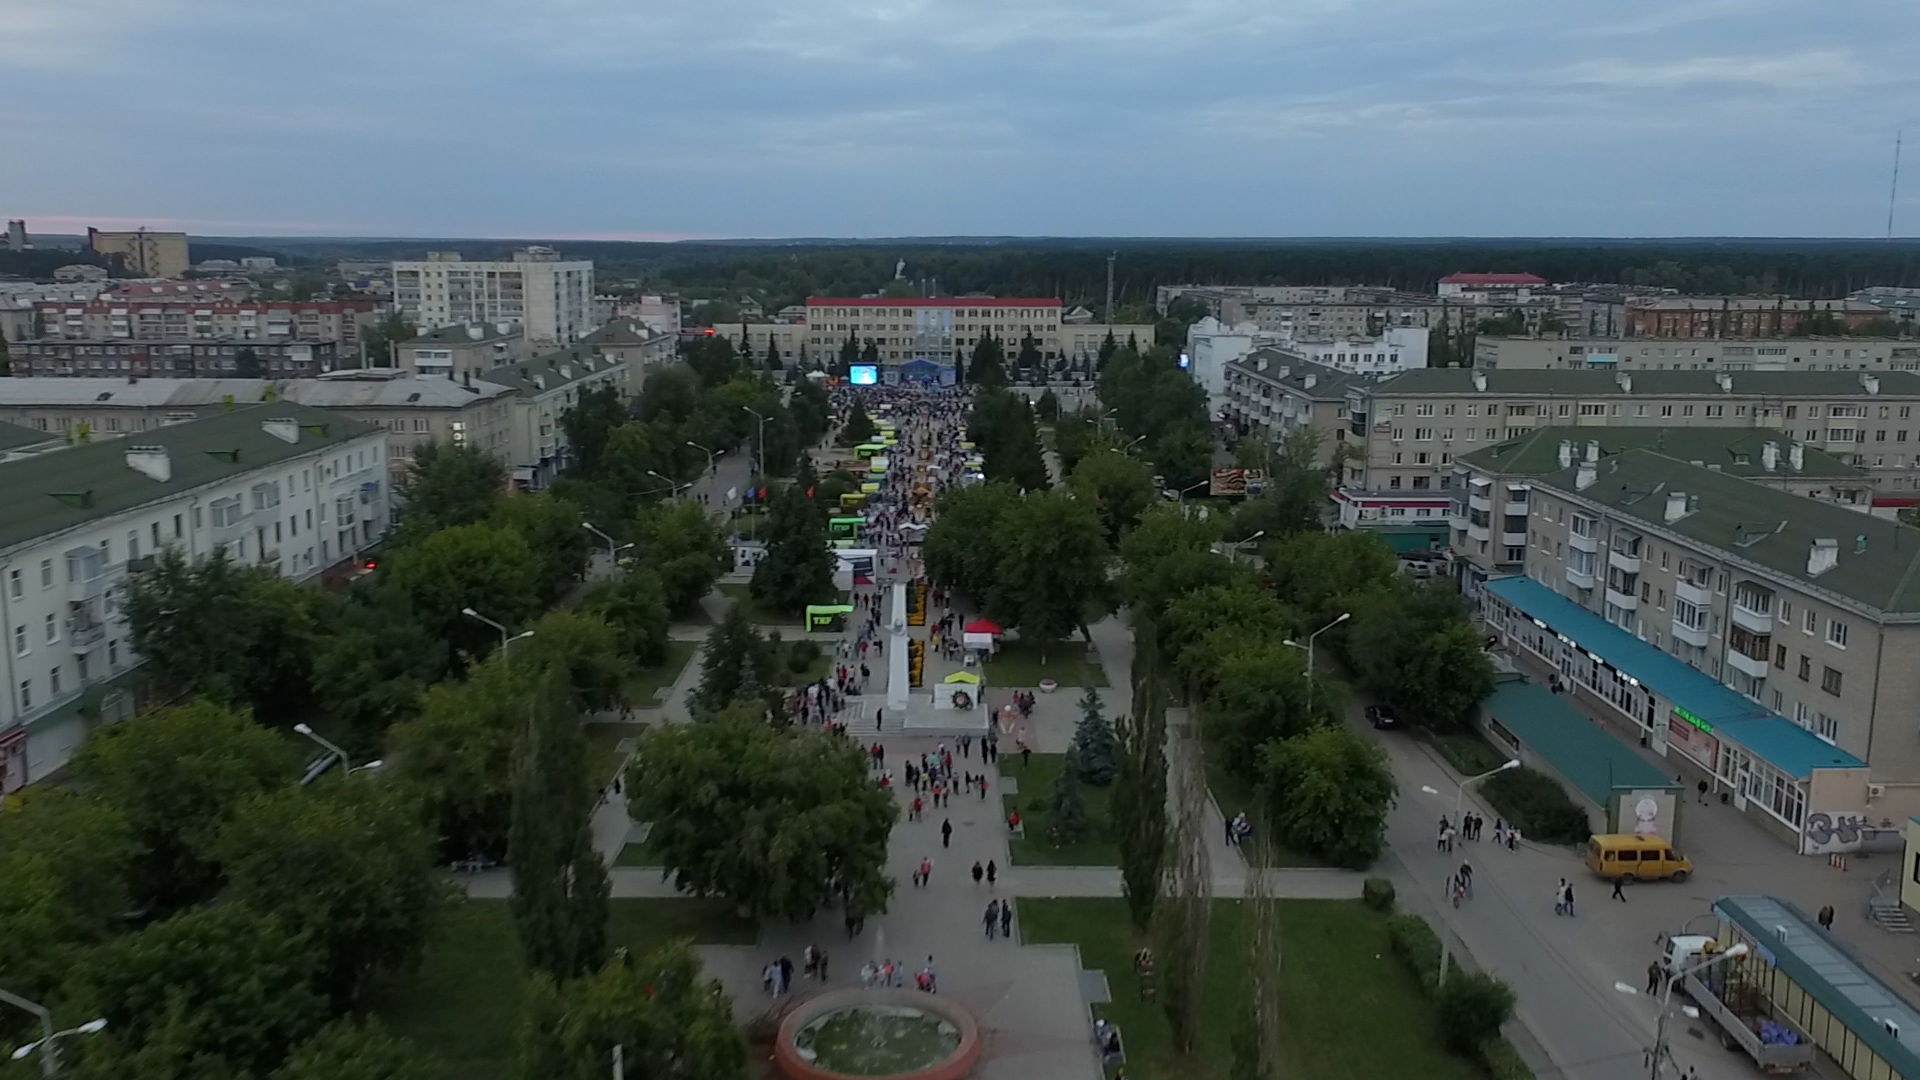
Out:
{"x": 308, "y": 731}
{"x": 613, "y": 553}
{"x": 504, "y": 639}
{"x": 1737, "y": 949}
{"x": 760, "y": 458}
{"x": 1459, "y": 799}
{"x": 673, "y": 488}
{"x": 1344, "y": 616}
{"x": 48, "y": 1042}
{"x": 1238, "y": 544}
{"x": 711, "y": 454}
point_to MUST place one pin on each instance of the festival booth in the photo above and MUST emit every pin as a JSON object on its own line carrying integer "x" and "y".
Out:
{"x": 979, "y": 635}
{"x": 846, "y": 527}
{"x": 854, "y": 566}
{"x": 827, "y": 617}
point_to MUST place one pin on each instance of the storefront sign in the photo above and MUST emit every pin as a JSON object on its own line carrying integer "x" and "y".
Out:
{"x": 1690, "y": 735}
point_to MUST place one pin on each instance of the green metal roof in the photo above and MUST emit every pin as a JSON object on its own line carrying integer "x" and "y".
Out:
{"x": 1579, "y": 383}
{"x": 14, "y": 436}
{"x": 57, "y": 491}
{"x": 1879, "y": 560}
{"x": 1577, "y": 748}
{"x": 1735, "y": 450}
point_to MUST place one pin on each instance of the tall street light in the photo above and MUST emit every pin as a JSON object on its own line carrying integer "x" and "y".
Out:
{"x": 674, "y": 489}
{"x": 711, "y": 454}
{"x": 504, "y": 639}
{"x": 341, "y": 755}
{"x": 613, "y": 553}
{"x": 1238, "y": 544}
{"x": 1344, "y": 616}
{"x": 49, "y": 1041}
{"x": 760, "y": 459}
{"x": 1459, "y": 798}
{"x": 1737, "y": 949}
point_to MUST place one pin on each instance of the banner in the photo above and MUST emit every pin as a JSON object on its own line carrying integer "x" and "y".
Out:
{"x": 1236, "y": 483}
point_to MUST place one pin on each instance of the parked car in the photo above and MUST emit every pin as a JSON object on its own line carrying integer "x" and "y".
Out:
{"x": 1382, "y": 717}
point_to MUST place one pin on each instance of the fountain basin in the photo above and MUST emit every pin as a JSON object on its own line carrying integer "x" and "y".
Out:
{"x": 927, "y": 1037}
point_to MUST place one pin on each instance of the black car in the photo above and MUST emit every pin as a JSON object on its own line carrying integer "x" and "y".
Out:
{"x": 1382, "y": 717}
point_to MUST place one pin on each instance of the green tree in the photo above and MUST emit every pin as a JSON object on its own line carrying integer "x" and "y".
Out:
{"x": 449, "y": 485}
{"x": 962, "y": 547}
{"x": 457, "y": 756}
{"x": 559, "y": 882}
{"x": 1029, "y": 360}
{"x": 1263, "y": 693}
{"x": 1322, "y": 574}
{"x": 234, "y": 633}
{"x": 849, "y": 355}
{"x": 1471, "y": 1008}
{"x": 859, "y": 426}
{"x": 637, "y": 452}
{"x": 588, "y": 424}
{"x": 586, "y": 651}
{"x": 378, "y": 339}
{"x": 680, "y": 544}
{"x": 671, "y": 393}
{"x": 771, "y": 818}
{"x": 988, "y": 366}
{"x": 350, "y": 1050}
{"x": 737, "y": 667}
{"x": 1184, "y": 455}
{"x": 490, "y": 570}
{"x": 668, "y": 1019}
{"x": 1447, "y": 676}
{"x": 1066, "y": 807}
{"x": 1119, "y": 487}
{"x": 177, "y": 776}
{"x": 1052, "y": 570}
{"x": 246, "y": 362}
{"x": 1295, "y": 498}
{"x": 1048, "y": 407}
{"x": 376, "y": 660}
{"x": 811, "y": 410}
{"x": 1094, "y": 752}
{"x": 552, "y": 531}
{"x": 66, "y": 859}
{"x": 1328, "y": 792}
{"x": 1108, "y": 347}
{"x": 797, "y": 569}
{"x": 347, "y": 862}
{"x": 1140, "y": 803}
{"x": 1198, "y": 624}
{"x": 1167, "y": 555}
{"x": 773, "y": 355}
{"x": 218, "y": 990}
{"x": 635, "y": 606}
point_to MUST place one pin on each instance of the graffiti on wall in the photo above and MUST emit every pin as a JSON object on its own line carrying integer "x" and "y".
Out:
{"x": 1838, "y": 831}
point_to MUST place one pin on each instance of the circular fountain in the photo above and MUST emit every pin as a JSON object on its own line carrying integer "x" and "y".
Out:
{"x": 896, "y": 1034}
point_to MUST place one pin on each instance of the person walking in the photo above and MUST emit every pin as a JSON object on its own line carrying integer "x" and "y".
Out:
{"x": 978, "y": 871}
{"x": 946, "y": 826}
{"x": 992, "y": 873}
{"x": 991, "y": 920}
{"x": 1825, "y": 917}
{"x": 1006, "y": 919}
{"x": 1560, "y": 897}
{"x": 1653, "y": 978}
{"x": 1569, "y": 896}
{"x": 1617, "y": 894}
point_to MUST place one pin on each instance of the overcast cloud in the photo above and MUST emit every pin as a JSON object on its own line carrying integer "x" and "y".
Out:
{"x": 672, "y": 118}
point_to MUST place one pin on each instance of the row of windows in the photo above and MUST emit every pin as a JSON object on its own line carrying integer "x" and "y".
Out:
{"x": 1565, "y": 408}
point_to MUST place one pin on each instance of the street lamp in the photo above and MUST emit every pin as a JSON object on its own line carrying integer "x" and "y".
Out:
{"x": 760, "y": 459}
{"x": 1738, "y": 948}
{"x": 368, "y": 767}
{"x": 1238, "y": 544}
{"x": 48, "y": 1042}
{"x": 308, "y": 731}
{"x": 1344, "y": 616}
{"x": 1459, "y": 797}
{"x": 504, "y": 639}
{"x": 674, "y": 489}
{"x": 711, "y": 454}
{"x": 613, "y": 553}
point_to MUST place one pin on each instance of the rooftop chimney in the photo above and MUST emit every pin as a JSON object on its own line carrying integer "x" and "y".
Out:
{"x": 1676, "y": 506}
{"x": 1480, "y": 381}
{"x": 151, "y": 462}
{"x": 1769, "y": 455}
{"x": 1310, "y": 380}
{"x": 1725, "y": 379}
{"x": 476, "y": 332}
{"x": 1624, "y": 379}
{"x": 1822, "y": 557}
{"x": 284, "y": 428}
{"x": 1593, "y": 451}
{"x": 1566, "y": 453}
{"x": 1584, "y": 478}
{"x": 1870, "y": 382}
{"x": 1797, "y": 456}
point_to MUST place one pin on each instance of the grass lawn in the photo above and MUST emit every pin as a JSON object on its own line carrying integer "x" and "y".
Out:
{"x": 816, "y": 669}
{"x": 1098, "y": 848}
{"x": 1351, "y": 1009}
{"x": 463, "y": 1005}
{"x": 642, "y": 685}
{"x": 1467, "y": 752}
{"x": 640, "y": 854}
{"x": 603, "y": 749}
{"x": 1069, "y": 663}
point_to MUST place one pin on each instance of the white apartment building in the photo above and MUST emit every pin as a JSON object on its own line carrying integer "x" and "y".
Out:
{"x": 276, "y": 485}
{"x": 1212, "y": 345}
{"x": 552, "y": 299}
{"x": 1695, "y": 354}
{"x": 543, "y": 389}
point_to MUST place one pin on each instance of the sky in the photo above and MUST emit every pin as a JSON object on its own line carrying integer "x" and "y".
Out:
{"x": 669, "y": 119}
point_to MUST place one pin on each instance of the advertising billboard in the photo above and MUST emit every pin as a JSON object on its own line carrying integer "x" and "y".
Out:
{"x": 1235, "y": 483}
{"x": 863, "y": 374}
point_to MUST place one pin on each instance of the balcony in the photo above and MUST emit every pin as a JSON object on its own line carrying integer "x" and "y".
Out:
{"x": 1626, "y": 601}
{"x": 1752, "y": 608}
{"x": 85, "y": 637}
{"x": 1516, "y": 501}
{"x": 1692, "y": 592}
{"x": 1581, "y": 542}
{"x": 1514, "y": 539}
{"x": 1747, "y": 665}
{"x": 1479, "y": 497}
{"x": 1627, "y": 562}
{"x": 1695, "y": 636}
{"x": 1579, "y": 579}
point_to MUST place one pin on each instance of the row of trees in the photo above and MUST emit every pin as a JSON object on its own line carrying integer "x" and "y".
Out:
{"x": 1154, "y": 402}
{"x": 1036, "y": 561}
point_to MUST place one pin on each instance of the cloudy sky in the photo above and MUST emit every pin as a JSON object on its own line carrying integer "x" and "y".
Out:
{"x": 700, "y": 118}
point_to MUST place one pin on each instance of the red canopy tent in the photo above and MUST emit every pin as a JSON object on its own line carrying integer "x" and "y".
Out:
{"x": 983, "y": 626}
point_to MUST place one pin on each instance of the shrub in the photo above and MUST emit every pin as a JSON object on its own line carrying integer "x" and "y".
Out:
{"x": 801, "y": 654}
{"x": 1377, "y": 893}
{"x": 1415, "y": 943}
{"x": 1539, "y": 805}
{"x": 1503, "y": 1061}
{"x": 1471, "y": 1008}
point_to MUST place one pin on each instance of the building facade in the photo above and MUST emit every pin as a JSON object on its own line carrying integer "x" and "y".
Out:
{"x": 947, "y": 328}
{"x": 551, "y": 298}
{"x": 1559, "y": 353}
{"x": 273, "y": 485}
{"x": 463, "y": 352}
{"x": 202, "y": 359}
{"x": 1740, "y": 316}
{"x": 543, "y": 390}
{"x": 143, "y": 251}
{"x": 117, "y": 318}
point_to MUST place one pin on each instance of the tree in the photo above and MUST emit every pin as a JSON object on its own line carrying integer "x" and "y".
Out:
{"x": 1328, "y": 792}
{"x": 449, "y": 485}
{"x": 667, "y": 1018}
{"x": 552, "y": 531}
{"x": 671, "y": 393}
{"x": 1472, "y": 1007}
{"x": 351, "y": 1050}
{"x": 587, "y": 653}
{"x": 66, "y": 859}
{"x": 988, "y": 367}
{"x": 681, "y": 545}
{"x": 177, "y": 776}
{"x": 1182, "y": 918}
{"x": 234, "y": 633}
{"x": 378, "y": 339}
{"x": 636, "y": 452}
{"x": 1066, "y": 806}
{"x": 376, "y": 660}
{"x": 870, "y": 355}
{"x": 588, "y": 425}
{"x": 1446, "y": 678}
{"x": 559, "y": 882}
{"x": 1028, "y": 361}
{"x": 849, "y": 354}
{"x": 1002, "y": 425}
{"x": 1321, "y": 574}
{"x": 1052, "y": 570}
{"x": 457, "y": 756}
{"x": 635, "y": 606}
{"x": 1295, "y": 498}
{"x": 771, "y": 818}
{"x": 963, "y": 546}
{"x": 1094, "y": 753}
{"x": 246, "y": 362}
{"x": 222, "y": 982}
{"x": 346, "y": 861}
{"x": 859, "y": 426}
{"x": 738, "y": 665}
{"x": 1261, "y": 693}
{"x": 1140, "y": 785}
{"x": 1108, "y": 347}
{"x": 488, "y": 569}
{"x": 1199, "y": 624}
{"x": 1184, "y": 455}
{"x": 773, "y": 354}
{"x": 811, "y": 410}
{"x": 1119, "y": 487}
{"x": 1048, "y": 407}
{"x": 1166, "y": 556}
{"x": 798, "y": 567}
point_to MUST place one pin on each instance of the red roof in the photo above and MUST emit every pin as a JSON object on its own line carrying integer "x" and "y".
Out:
{"x": 1492, "y": 279}
{"x": 942, "y": 301}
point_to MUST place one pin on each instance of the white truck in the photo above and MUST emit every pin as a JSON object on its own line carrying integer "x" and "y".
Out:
{"x": 1739, "y": 1013}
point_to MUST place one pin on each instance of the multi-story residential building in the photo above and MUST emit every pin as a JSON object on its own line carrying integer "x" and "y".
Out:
{"x": 544, "y": 389}
{"x": 1271, "y": 396}
{"x": 19, "y": 301}
{"x": 1481, "y": 288}
{"x": 636, "y": 344}
{"x": 201, "y": 359}
{"x": 114, "y": 317}
{"x": 1490, "y": 485}
{"x": 1901, "y": 306}
{"x": 943, "y": 328}
{"x": 660, "y": 314}
{"x": 1212, "y": 347}
{"x": 1743, "y": 354}
{"x": 413, "y": 411}
{"x": 552, "y": 299}
{"x": 1762, "y": 641}
{"x": 1311, "y": 311}
{"x": 464, "y": 352}
{"x": 144, "y": 252}
{"x": 1739, "y": 316}
{"x": 275, "y": 485}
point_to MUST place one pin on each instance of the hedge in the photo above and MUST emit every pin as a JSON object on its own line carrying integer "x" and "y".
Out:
{"x": 1377, "y": 893}
{"x": 1417, "y": 946}
{"x": 1539, "y": 805}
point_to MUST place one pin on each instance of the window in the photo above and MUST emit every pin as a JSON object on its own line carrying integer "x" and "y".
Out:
{"x": 1811, "y": 623}
{"x": 1830, "y": 680}
{"x": 20, "y": 640}
{"x": 26, "y": 694}
{"x": 1780, "y": 658}
{"x": 1828, "y": 727}
{"x": 14, "y": 587}
{"x": 53, "y": 681}
{"x": 1806, "y": 668}
{"x": 1836, "y": 633}
{"x": 53, "y": 628}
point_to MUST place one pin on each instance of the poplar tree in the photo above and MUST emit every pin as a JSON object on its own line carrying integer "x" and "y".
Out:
{"x": 559, "y": 882}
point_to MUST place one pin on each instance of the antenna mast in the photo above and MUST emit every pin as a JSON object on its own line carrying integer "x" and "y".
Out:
{"x": 1894, "y": 195}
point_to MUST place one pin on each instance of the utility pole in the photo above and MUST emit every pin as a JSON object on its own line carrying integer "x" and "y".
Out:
{"x": 1111, "y": 255}
{"x": 1893, "y": 196}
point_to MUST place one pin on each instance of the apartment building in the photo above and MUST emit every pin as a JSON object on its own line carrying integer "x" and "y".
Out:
{"x": 1212, "y": 347}
{"x": 20, "y": 300}
{"x": 1480, "y": 288}
{"x": 1271, "y": 396}
{"x": 465, "y": 351}
{"x": 639, "y": 346}
{"x": 218, "y": 359}
{"x": 115, "y": 317}
{"x": 551, "y": 298}
{"x": 542, "y": 390}
{"x": 1899, "y": 305}
{"x": 1761, "y": 640}
{"x": 413, "y": 411}
{"x": 1739, "y": 316}
{"x": 944, "y": 328}
{"x": 143, "y": 251}
{"x": 1743, "y": 354}
{"x": 1488, "y": 517}
{"x": 274, "y": 485}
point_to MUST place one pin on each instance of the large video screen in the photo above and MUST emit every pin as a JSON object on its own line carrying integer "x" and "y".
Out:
{"x": 863, "y": 374}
